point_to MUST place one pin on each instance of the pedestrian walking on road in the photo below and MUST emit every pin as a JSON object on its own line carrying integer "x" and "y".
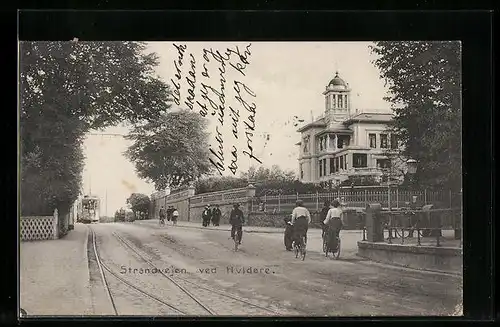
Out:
{"x": 216, "y": 214}
{"x": 175, "y": 216}
{"x": 206, "y": 215}
{"x": 169, "y": 213}
{"x": 162, "y": 216}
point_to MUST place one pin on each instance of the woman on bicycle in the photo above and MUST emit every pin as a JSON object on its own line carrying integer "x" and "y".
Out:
{"x": 333, "y": 223}
{"x": 301, "y": 218}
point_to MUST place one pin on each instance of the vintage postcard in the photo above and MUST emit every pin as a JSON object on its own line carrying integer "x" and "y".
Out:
{"x": 240, "y": 178}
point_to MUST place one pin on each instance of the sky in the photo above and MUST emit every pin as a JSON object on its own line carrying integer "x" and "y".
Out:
{"x": 287, "y": 79}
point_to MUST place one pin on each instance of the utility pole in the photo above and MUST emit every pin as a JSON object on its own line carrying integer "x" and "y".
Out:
{"x": 106, "y": 205}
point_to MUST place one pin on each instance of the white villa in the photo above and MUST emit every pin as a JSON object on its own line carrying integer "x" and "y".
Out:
{"x": 341, "y": 143}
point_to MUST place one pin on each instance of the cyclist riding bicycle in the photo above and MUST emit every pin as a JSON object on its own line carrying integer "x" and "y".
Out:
{"x": 236, "y": 220}
{"x": 301, "y": 218}
{"x": 333, "y": 221}
{"x": 323, "y": 214}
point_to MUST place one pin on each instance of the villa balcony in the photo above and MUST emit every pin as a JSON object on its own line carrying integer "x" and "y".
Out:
{"x": 343, "y": 174}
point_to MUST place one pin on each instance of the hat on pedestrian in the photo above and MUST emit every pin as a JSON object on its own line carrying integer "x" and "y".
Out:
{"x": 299, "y": 203}
{"x": 236, "y": 205}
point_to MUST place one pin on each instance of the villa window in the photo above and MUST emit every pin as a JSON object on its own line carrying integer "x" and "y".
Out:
{"x": 394, "y": 141}
{"x": 340, "y": 102}
{"x": 306, "y": 144}
{"x": 320, "y": 168}
{"x": 337, "y": 166}
{"x": 345, "y": 102}
{"x": 383, "y": 163}
{"x": 342, "y": 162}
{"x": 324, "y": 167}
{"x": 332, "y": 163}
{"x": 301, "y": 172}
{"x": 383, "y": 141}
{"x": 340, "y": 143}
{"x": 332, "y": 141}
{"x": 345, "y": 162}
{"x": 373, "y": 140}
{"x": 359, "y": 160}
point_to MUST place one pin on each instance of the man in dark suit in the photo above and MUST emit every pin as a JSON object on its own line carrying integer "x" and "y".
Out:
{"x": 206, "y": 215}
{"x": 236, "y": 220}
{"x": 216, "y": 214}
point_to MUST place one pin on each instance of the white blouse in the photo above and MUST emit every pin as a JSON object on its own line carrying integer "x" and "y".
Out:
{"x": 333, "y": 213}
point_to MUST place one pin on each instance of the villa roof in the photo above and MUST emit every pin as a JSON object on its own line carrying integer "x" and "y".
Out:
{"x": 365, "y": 117}
{"x": 317, "y": 123}
{"x": 370, "y": 117}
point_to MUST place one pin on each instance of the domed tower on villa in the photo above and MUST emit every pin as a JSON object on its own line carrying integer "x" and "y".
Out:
{"x": 337, "y": 101}
{"x": 344, "y": 143}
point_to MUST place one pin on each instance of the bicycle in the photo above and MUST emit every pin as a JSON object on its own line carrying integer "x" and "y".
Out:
{"x": 326, "y": 251}
{"x": 300, "y": 248}
{"x": 237, "y": 238}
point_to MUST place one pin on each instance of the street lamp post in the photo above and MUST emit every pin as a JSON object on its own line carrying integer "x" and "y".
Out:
{"x": 412, "y": 170}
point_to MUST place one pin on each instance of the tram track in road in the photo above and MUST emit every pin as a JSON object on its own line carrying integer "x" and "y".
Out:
{"x": 103, "y": 267}
{"x": 226, "y": 295}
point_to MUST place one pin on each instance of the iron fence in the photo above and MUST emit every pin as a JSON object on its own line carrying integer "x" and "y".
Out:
{"x": 421, "y": 225}
{"x": 390, "y": 199}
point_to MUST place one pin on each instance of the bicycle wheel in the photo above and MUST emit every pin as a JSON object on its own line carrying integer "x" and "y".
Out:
{"x": 236, "y": 242}
{"x": 303, "y": 249}
{"x": 296, "y": 248}
{"x": 338, "y": 248}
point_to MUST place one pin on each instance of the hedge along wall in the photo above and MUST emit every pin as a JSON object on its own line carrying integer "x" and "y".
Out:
{"x": 225, "y": 199}
{"x": 191, "y": 206}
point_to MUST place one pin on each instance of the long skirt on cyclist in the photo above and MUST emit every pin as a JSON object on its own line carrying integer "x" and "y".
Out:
{"x": 300, "y": 227}
{"x": 332, "y": 232}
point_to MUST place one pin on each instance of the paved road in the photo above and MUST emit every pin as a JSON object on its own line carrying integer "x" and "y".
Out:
{"x": 211, "y": 272}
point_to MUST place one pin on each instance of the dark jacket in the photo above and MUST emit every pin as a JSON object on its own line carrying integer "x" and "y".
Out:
{"x": 207, "y": 214}
{"x": 236, "y": 218}
{"x": 323, "y": 214}
{"x": 216, "y": 213}
{"x": 162, "y": 213}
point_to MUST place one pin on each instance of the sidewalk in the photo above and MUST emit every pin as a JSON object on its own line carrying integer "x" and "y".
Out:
{"x": 247, "y": 229}
{"x": 54, "y": 275}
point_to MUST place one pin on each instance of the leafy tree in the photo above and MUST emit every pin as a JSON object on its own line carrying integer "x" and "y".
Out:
{"x": 425, "y": 87}
{"x": 171, "y": 151}
{"x": 218, "y": 183}
{"x": 66, "y": 89}
{"x": 267, "y": 181}
{"x": 100, "y": 83}
{"x": 139, "y": 204}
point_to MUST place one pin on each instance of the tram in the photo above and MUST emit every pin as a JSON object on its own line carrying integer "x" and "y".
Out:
{"x": 89, "y": 209}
